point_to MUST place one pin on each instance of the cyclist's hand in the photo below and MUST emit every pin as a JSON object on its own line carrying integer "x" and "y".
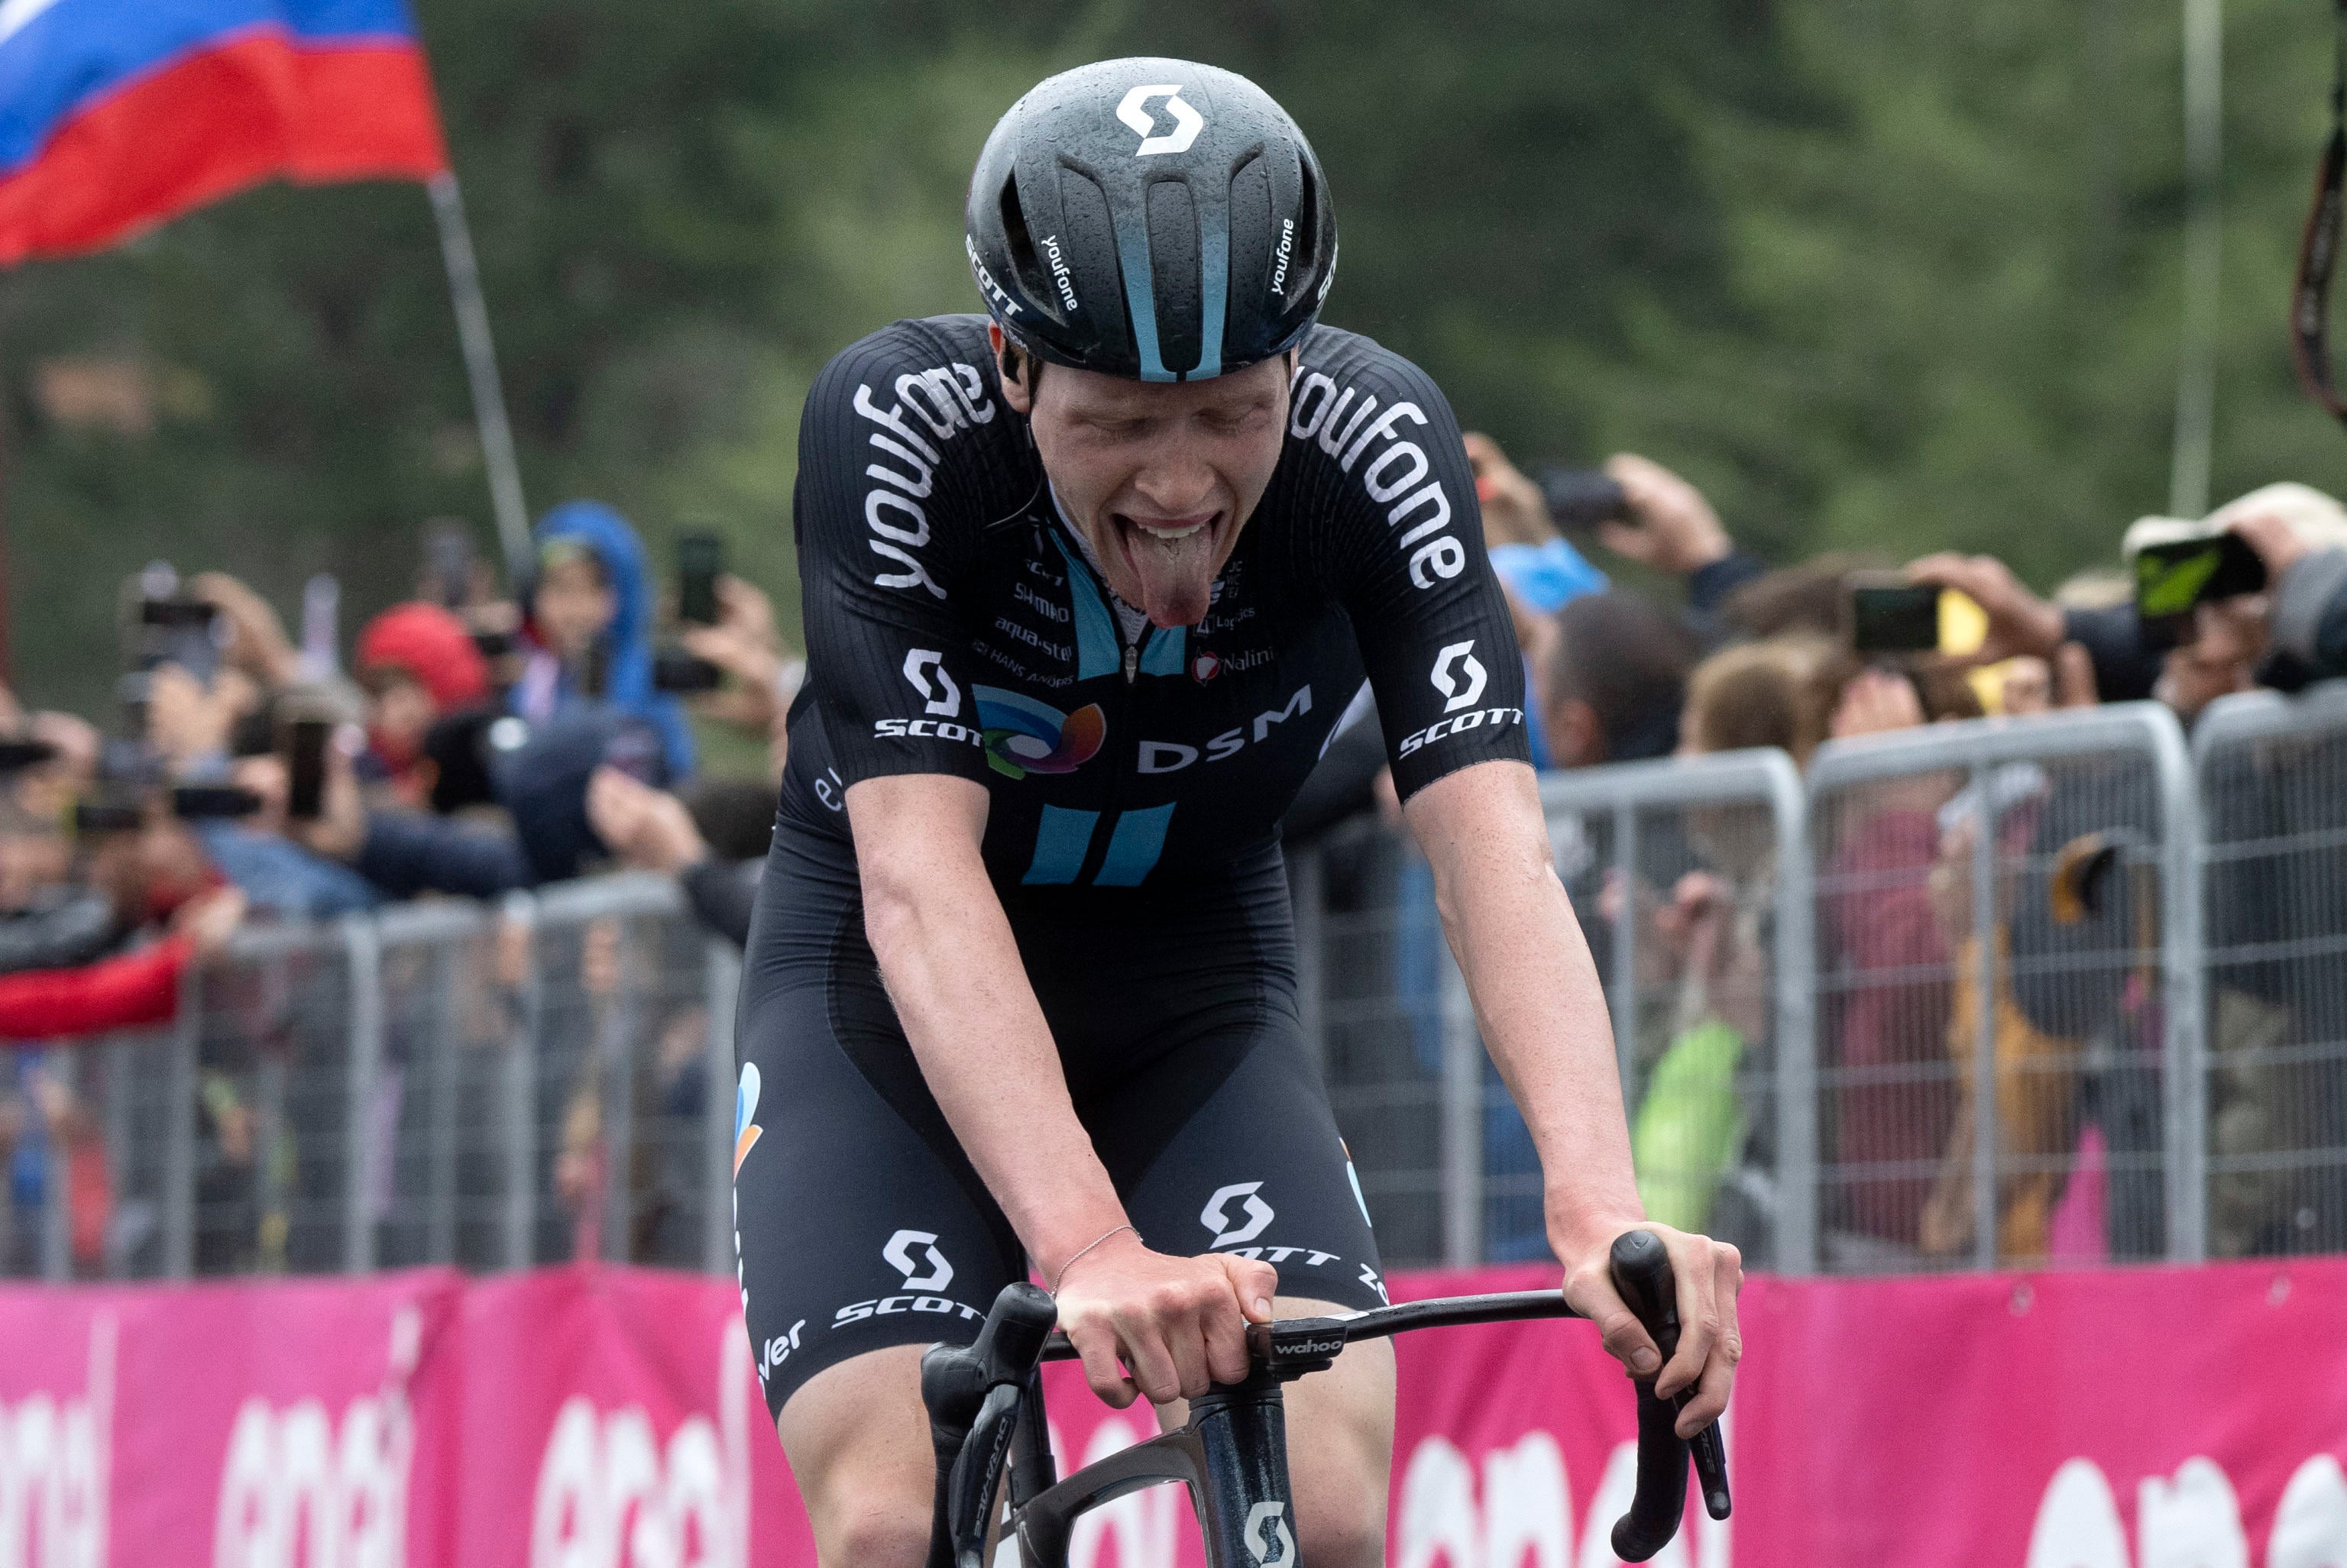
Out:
{"x": 1179, "y": 1323}
{"x": 1708, "y": 1274}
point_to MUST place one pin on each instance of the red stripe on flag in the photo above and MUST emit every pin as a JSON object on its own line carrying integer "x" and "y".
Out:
{"x": 213, "y": 123}
{"x": 365, "y": 113}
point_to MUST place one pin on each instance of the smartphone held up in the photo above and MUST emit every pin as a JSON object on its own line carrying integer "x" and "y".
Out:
{"x": 1883, "y": 612}
{"x": 700, "y": 561}
{"x": 2174, "y": 577}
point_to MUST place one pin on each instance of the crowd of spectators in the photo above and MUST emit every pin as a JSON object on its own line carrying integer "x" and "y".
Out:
{"x": 1717, "y": 650}
{"x": 477, "y": 744}
{"x": 481, "y": 742}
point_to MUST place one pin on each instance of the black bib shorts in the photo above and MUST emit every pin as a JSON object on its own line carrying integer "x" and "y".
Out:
{"x": 860, "y": 1223}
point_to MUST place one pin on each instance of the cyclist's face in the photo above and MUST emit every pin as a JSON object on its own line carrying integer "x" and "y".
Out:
{"x": 1160, "y": 476}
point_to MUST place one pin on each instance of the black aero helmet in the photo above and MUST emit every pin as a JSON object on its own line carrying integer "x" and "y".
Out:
{"x": 1150, "y": 218}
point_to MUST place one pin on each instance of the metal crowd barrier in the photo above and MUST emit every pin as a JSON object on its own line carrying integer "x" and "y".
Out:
{"x": 2011, "y": 903}
{"x": 2273, "y": 783}
{"x": 2140, "y": 948}
{"x": 1727, "y": 1140}
{"x": 440, "y": 1083}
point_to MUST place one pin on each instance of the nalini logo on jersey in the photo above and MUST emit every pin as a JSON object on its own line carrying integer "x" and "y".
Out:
{"x": 1134, "y": 112}
{"x": 1023, "y": 736}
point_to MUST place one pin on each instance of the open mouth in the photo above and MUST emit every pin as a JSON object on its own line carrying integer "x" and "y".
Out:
{"x": 1137, "y": 531}
{"x": 1174, "y": 560}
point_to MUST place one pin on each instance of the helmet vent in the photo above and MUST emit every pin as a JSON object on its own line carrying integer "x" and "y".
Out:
{"x": 1026, "y": 265}
{"x": 1308, "y": 224}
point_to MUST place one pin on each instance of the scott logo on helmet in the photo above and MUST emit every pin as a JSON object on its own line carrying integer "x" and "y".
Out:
{"x": 1187, "y": 121}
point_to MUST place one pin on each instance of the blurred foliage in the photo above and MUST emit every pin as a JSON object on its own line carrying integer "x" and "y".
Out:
{"x": 1876, "y": 273}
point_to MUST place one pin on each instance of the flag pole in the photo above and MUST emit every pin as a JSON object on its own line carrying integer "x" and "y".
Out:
{"x": 2204, "y": 168}
{"x": 481, "y": 369}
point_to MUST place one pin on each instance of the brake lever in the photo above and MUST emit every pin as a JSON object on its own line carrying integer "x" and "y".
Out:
{"x": 972, "y": 1396}
{"x": 1641, "y": 1273}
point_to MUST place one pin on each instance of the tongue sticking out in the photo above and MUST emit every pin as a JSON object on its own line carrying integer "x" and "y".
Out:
{"x": 1177, "y": 574}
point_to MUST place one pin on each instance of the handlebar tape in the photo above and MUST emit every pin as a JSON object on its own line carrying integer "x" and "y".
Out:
{"x": 1642, "y": 1275}
{"x": 1651, "y": 1293}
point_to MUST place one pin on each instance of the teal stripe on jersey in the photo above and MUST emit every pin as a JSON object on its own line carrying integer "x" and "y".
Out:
{"x": 1163, "y": 654}
{"x": 1060, "y": 840}
{"x": 1133, "y": 846}
{"x": 1098, "y": 649}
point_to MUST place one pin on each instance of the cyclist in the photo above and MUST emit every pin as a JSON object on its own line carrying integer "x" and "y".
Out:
{"x": 1088, "y": 585}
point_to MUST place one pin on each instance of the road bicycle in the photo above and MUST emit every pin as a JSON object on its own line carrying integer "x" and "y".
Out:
{"x": 985, "y": 1402}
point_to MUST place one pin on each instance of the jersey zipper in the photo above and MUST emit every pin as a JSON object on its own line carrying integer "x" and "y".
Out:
{"x": 1121, "y": 738}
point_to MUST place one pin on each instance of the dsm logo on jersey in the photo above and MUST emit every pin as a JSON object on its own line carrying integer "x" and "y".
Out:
{"x": 1023, "y": 736}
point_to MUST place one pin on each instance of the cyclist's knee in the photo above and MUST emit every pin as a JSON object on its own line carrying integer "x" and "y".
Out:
{"x": 857, "y": 1441}
{"x": 869, "y": 1515}
{"x": 871, "y": 1532}
{"x": 1339, "y": 1473}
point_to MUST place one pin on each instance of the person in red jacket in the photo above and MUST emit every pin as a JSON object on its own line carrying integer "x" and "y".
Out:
{"x": 123, "y": 993}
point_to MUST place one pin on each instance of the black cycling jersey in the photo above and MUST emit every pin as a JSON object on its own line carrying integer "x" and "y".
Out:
{"x": 953, "y": 626}
{"x": 1137, "y": 781}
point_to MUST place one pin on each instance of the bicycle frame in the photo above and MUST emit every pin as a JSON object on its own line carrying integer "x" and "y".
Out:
{"x": 1232, "y": 1454}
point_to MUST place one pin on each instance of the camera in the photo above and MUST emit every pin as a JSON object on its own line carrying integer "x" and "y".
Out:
{"x": 1885, "y": 613}
{"x": 1579, "y": 499}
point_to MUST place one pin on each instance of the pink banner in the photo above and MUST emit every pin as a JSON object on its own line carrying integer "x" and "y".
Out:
{"x": 611, "y": 1419}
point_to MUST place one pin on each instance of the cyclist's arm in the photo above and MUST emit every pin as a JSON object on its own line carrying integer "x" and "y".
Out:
{"x": 1543, "y": 1016}
{"x": 961, "y": 992}
{"x": 1440, "y": 649}
{"x": 961, "y": 989}
{"x": 889, "y": 666}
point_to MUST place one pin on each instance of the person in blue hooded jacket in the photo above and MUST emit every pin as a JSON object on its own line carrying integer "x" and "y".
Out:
{"x": 590, "y": 615}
